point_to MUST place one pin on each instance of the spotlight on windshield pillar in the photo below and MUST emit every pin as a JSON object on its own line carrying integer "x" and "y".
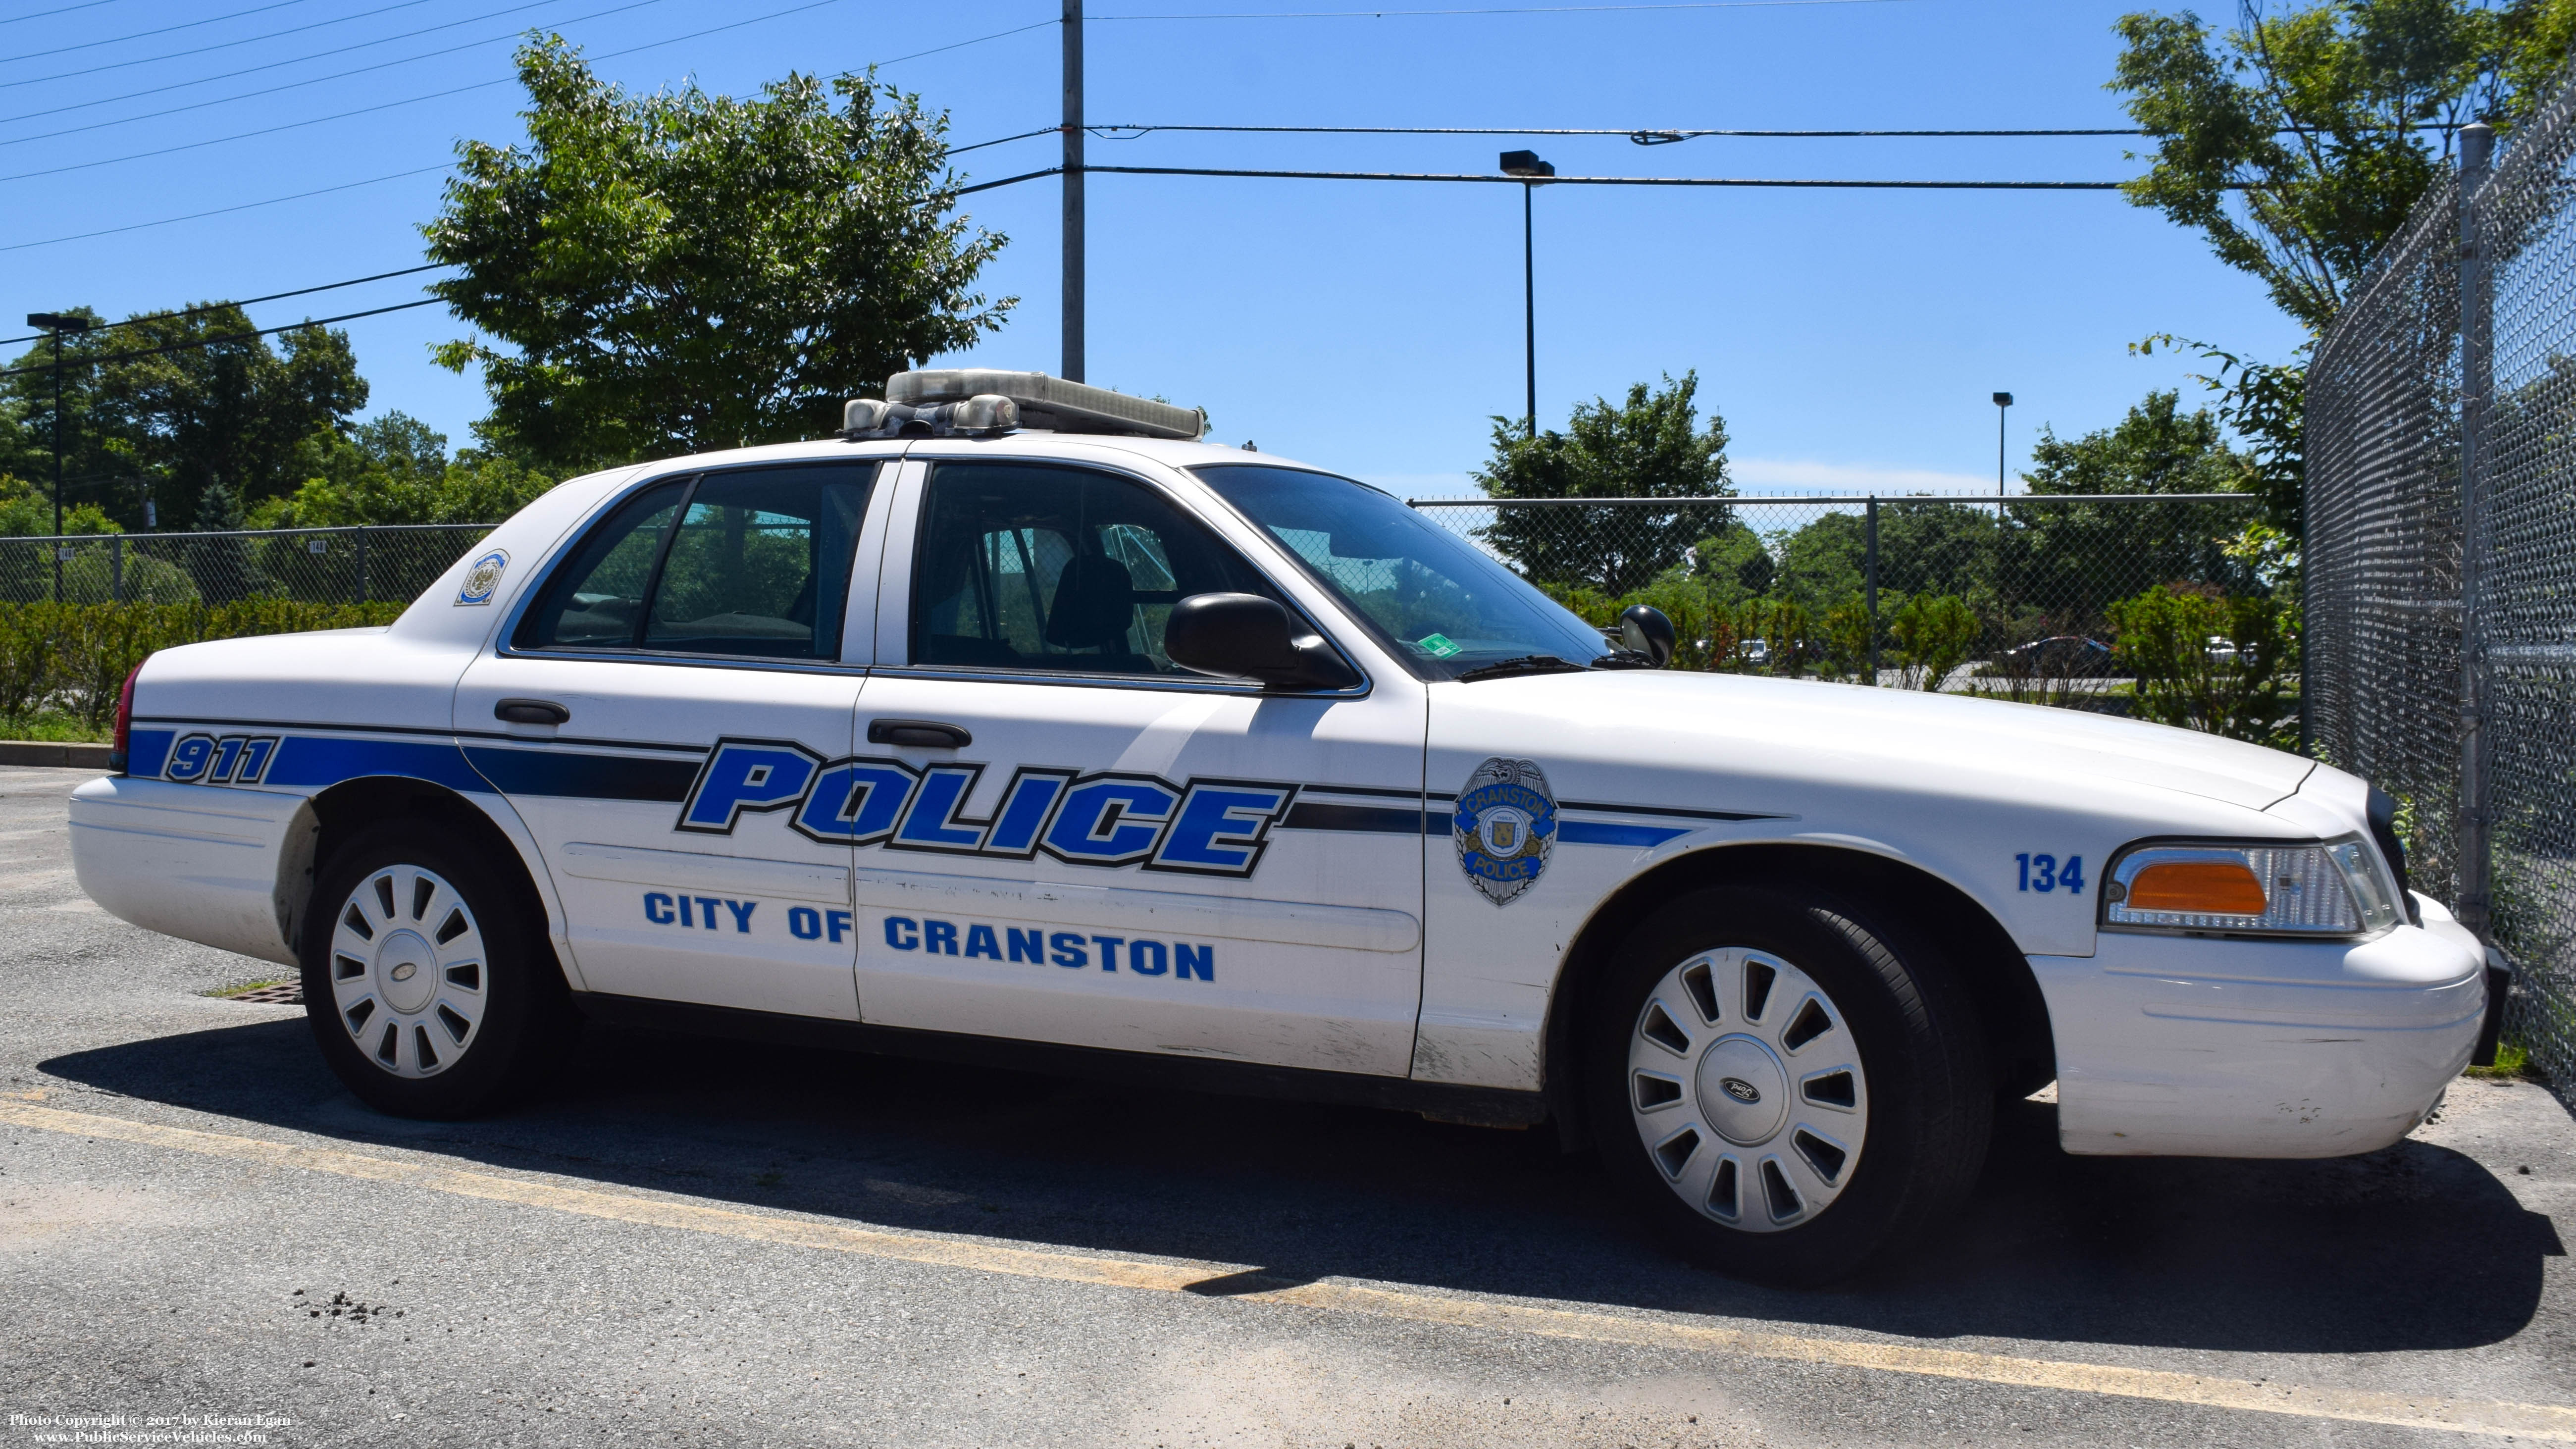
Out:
{"x": 1525, "y": 165}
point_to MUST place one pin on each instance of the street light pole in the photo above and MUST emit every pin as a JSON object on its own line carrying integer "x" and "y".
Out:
{"x": 1530, "y": 169}
{"x": 2003, "y": 404}
{"x": 58, "y": 323}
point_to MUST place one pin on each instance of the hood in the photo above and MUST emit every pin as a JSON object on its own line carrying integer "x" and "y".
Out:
{"x": 1786, "y": 726}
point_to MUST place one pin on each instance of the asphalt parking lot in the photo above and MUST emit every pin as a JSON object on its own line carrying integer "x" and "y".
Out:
{"x": 701, "y": 1242}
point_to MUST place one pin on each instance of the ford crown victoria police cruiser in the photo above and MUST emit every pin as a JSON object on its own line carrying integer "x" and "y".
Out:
{"x": 1016, "y": 723}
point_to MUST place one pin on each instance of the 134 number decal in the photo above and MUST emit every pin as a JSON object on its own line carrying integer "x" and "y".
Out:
{"x": 2043, "y": 873}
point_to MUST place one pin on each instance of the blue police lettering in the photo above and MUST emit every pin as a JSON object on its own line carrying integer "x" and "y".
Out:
{"x": 1109, "y": 950}
{"x": 1111, "y": 820}
{"x": 839, "y": 922}
{"x": 684, "y": 912}
{"x": 1145, "y": 958}
{"x": 657, "y": 908}
{"x": 939, "y": 936}
{"x": 1026, "y": 945}
{"x": 741, "y": 914}
{"x": 1068, "y": 949}
{"x": 1200, "y": 959}
{"x": 804, "y": 922}
{"x": 707, "y": 907}
{"x": 902, "y": 933}
{"x": 980, "y": 941}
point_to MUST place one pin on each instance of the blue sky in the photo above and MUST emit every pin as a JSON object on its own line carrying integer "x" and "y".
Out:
{"x": 1851, "y": 339}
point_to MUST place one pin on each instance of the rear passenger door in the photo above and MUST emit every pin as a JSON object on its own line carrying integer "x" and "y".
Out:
{"x": 699, "y": 608}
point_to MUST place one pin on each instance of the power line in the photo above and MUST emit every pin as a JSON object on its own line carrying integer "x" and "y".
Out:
{"x": 407, "y": 101}
{"x": 1796, "y": 183}
{"x": 310, "y": 80}
{"x": 65, "y": 10}
{"x": 222, "y": 210}
{"x": 227, "y": 337}
{"x": 278, "y": 64}
{"x": 1643, "y": 137}
{"x": 185, "y": 25}
{"x": 243, "y": 302}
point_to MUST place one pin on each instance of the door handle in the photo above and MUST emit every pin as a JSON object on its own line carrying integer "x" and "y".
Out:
{"x": 926, "y": 734}
{"x": 531, "y": 712}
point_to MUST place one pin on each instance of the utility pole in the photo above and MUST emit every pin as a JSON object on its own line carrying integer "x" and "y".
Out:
{"x": 58, "y": 323}
{"x": 1072, "y": 368}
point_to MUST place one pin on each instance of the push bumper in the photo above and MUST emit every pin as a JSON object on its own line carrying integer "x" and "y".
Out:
{"x": 2206, "y": 1047}
{"x": 191, "y": 861}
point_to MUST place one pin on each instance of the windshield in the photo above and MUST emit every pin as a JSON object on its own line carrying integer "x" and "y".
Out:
{"x": 1437, "y": 601}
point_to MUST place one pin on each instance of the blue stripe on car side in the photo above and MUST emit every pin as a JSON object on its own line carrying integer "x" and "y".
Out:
{"x": 1602, "y": 832}
{"x": 587, "y": 777}
{"x": 317, "y": 761}
{"x": 146, "y": 751}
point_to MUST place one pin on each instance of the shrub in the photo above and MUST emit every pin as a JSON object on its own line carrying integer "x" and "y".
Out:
{"x": 73, "y": 658}
{"x": 2210, "y": 661}
{"x": 1934, "y": 634}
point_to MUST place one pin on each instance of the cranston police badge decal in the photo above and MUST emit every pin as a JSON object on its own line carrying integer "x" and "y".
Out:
{"x": 1504, "y": 826}
{"x": 483, "y": 577}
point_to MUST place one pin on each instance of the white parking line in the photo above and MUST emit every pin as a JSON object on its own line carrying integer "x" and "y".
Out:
{"x": 2547, "y": 1422}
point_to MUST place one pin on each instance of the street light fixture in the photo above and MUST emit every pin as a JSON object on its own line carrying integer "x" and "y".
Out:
{"x": 58, "y": 323}
{"x": 1531, "y": 171}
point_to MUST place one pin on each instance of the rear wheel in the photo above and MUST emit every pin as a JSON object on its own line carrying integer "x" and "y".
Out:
{"x": 1790, "y": 1086}
{"x": 429, "y": 989}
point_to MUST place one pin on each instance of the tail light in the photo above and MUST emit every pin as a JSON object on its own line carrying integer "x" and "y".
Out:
{"x": 124, "y": 722}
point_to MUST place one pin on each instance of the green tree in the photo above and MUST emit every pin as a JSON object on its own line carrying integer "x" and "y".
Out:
{"x": 395, "y": 469}
{"x": 1651, "y": 446}
{"x": 2071, "y": 560}
{"x": 220, "y": 402}
{"x": 675, "y": 272}
{"x": 2299, "y": 141}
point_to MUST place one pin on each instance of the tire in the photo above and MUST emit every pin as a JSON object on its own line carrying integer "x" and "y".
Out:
{"x": 1790, "y": 1085}
{"x": 429, "y": 982}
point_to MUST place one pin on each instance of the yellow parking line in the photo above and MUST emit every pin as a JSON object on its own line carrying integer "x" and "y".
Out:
{"x": 2548, "y": 1422}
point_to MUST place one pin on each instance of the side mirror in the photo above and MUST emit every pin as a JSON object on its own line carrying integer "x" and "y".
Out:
{"x": 1644, "y": 628}
{"x": 1245, "y": 636}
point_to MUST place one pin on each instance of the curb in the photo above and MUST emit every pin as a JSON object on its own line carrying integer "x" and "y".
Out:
{"x": 48, "y": 752}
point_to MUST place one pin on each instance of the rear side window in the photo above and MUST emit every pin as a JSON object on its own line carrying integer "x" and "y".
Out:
{"x": 752, "y": 562}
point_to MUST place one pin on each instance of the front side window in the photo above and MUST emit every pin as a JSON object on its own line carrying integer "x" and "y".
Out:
{"x": 1041, "y": 567}
{"x": 753, "y": 562}
{"x": 1437, "y": 601}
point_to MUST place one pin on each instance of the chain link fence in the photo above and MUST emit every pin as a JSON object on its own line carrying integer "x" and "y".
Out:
{"x": 2441, "y": 555}
{"x": 2008, "y": 597}
{"x": 306, "y": 565}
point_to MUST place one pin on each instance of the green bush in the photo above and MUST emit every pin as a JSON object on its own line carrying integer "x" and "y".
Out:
{"x": 1934, "y": 635}
{"x": 2213, "y": 662}
{"x": 71, "y": 659}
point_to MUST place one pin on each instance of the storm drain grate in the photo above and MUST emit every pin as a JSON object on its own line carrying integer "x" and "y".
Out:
{"x": 283, "y": 993}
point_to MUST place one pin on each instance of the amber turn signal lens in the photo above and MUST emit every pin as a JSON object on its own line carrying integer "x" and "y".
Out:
{"x": 2198, "y": 887}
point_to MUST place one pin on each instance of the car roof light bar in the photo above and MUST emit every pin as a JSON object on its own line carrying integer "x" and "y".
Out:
{"x": 938, "y": 402}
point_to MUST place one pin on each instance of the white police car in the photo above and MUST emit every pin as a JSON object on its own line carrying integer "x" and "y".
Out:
{"x": 1019, "y": 725}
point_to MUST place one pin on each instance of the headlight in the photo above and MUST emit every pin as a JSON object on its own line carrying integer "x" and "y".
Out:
{"x": 2334, "y": 889}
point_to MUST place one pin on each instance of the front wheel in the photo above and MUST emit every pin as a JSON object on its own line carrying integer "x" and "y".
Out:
{"x": 429, "y": 989}
{"x": 1791, "y": 1085}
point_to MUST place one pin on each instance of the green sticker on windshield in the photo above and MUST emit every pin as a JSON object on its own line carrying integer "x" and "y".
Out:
{"x": 1440, "y": 646}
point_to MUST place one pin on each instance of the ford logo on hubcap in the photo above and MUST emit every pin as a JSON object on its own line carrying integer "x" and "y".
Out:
{"x": 405, "y": 970}
{"x": 1740, "y": 1089}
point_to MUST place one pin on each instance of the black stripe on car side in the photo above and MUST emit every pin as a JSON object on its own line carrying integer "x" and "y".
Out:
{"x": 583, "y": 777}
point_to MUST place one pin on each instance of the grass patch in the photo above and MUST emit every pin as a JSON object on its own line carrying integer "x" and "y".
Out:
{"x": 54, "y": 726}
{"x": 2511, "y": 1062}
{"x": 249, "y": 986}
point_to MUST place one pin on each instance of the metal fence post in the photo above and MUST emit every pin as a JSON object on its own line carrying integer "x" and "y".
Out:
{"x": 2477, "y": 381}
{"x": 362, "y": 564}
{"x": 116, "y": 567}
{"x": 1870, "y": 587}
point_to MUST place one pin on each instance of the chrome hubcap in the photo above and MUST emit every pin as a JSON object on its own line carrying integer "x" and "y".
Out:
{"x": 1747, "y": 1089}
{"x": 407, "y": 971}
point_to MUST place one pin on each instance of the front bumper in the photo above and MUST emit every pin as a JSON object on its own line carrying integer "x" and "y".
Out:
{"x": 2207, "y": 1047}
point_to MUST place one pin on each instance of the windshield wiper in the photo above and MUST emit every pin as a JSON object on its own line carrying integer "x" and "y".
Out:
{"x": 1525, "y": 664}
{"x": 1625, "y": 659}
